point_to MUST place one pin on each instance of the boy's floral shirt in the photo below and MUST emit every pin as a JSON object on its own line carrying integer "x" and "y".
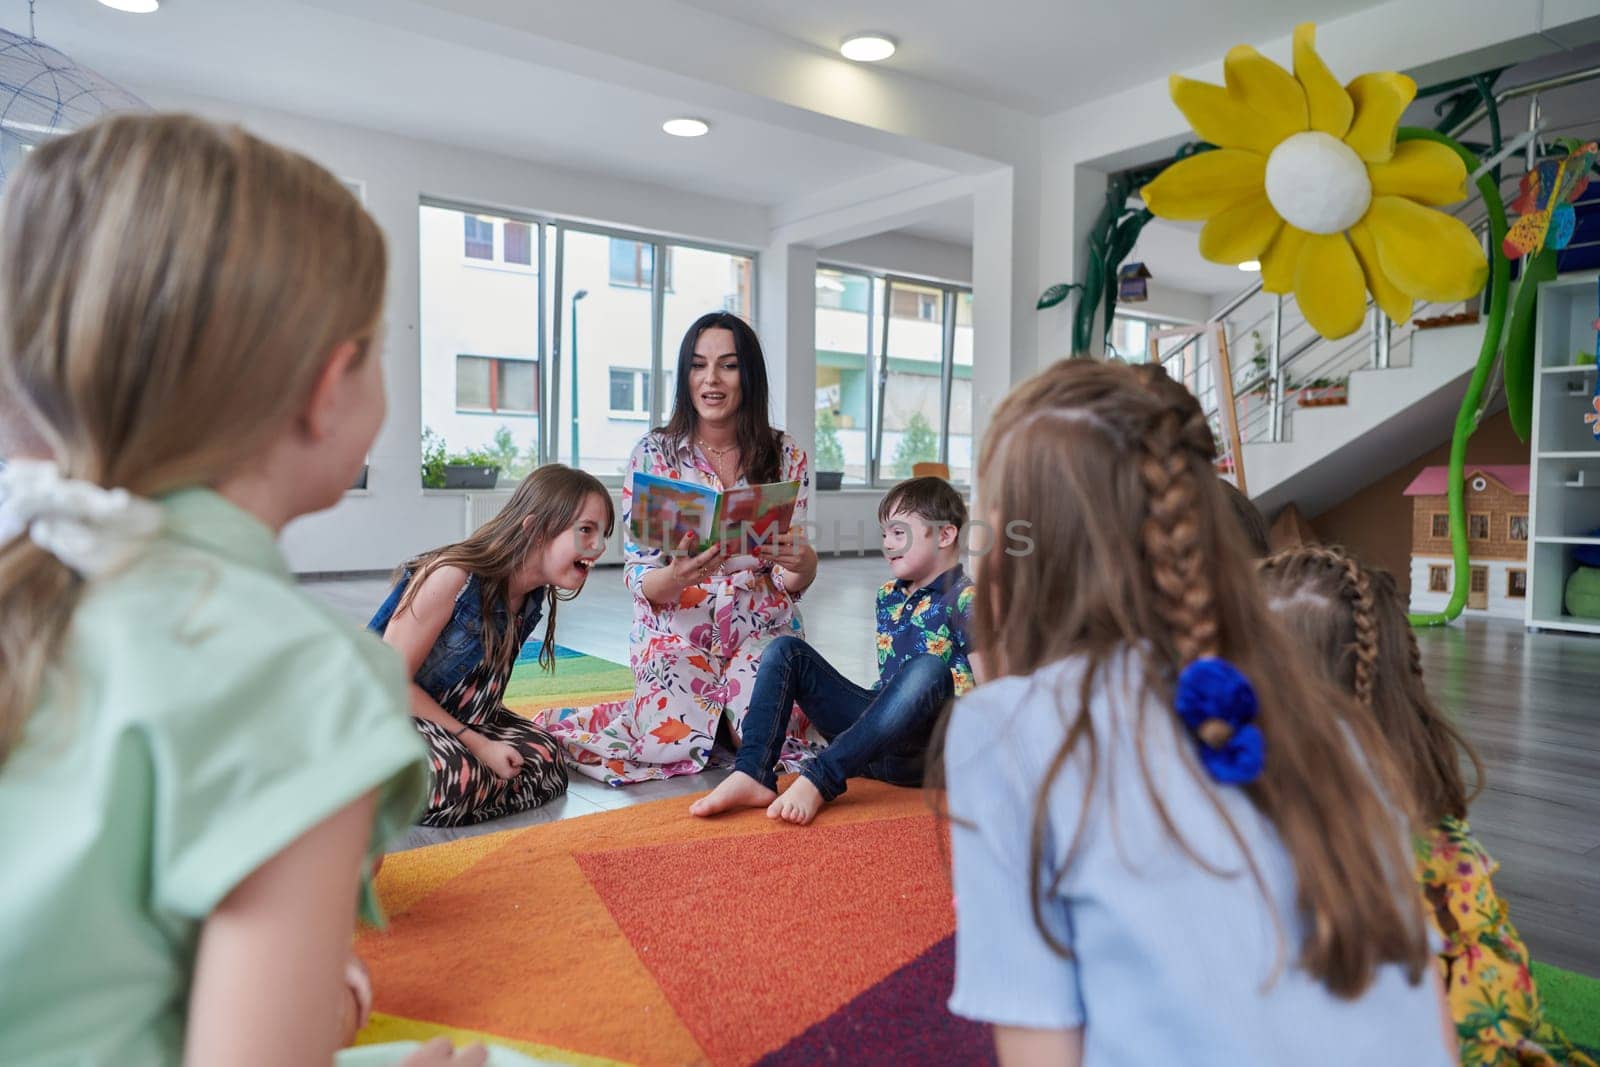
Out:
{"x": 936, "y": 618}
{"x": 1499, "y": 1019}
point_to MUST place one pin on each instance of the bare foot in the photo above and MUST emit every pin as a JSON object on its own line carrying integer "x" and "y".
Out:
{"x": 738, "y": 790}
{"x": 799, "y": 803}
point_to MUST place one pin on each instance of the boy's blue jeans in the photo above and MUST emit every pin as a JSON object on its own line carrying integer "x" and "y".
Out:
{"x": 881, "y": 734}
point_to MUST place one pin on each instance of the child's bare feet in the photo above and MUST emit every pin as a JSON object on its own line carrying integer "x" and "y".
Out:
{"x": 738, "y": 790}
{"x": 799, "y": 803}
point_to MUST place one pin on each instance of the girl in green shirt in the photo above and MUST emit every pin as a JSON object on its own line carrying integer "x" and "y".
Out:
{"x": 196, "y": 761}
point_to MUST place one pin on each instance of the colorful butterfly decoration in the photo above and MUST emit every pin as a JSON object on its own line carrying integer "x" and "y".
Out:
{"x": 1545, "y": 201}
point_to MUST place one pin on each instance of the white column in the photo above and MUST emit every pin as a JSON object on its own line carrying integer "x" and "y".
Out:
{"x": 786, "y": 309}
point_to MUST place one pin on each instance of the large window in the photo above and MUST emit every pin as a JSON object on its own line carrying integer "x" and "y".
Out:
{"x": 482, "y": 339}
{"x": 1130, "y": 335}
{"x": 544, "y": 341}
{"x": 894, "y": 376}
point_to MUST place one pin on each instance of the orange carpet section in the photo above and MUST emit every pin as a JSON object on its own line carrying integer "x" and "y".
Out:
{"x": 647, "y": 936}
{"x": 758, "y": 940}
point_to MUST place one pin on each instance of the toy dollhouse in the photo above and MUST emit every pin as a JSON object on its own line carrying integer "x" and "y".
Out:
{"x": 1497, "y": 539}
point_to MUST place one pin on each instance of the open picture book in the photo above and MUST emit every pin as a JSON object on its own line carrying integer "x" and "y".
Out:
{"x": 740, "y": 519}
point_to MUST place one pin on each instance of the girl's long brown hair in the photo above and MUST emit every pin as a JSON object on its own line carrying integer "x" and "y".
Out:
{"x": 1353, "y": 620}
{"x": 169, "y": 292}
{"x": 1138, "y": 550}
{"x": 543, "y": 508}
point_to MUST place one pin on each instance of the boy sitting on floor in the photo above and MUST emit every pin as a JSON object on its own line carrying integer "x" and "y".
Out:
{"x": 924, "y": 618}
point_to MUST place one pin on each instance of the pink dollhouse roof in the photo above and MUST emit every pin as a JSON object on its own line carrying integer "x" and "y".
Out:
{"x": 1435, "y": 481}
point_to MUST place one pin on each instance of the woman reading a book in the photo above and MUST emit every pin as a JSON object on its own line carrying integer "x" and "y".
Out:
{"x": 702, "y": 618}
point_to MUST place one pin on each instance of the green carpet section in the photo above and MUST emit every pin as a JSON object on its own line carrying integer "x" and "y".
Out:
{"x": 578, "y": 680}
{"x": 1572, "y": 1002}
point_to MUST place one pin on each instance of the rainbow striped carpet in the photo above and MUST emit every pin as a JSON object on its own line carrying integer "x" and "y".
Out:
{"x": 645, "y": 936}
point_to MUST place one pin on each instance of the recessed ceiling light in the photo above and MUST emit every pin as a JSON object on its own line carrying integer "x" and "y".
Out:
{"x": 1251, "y": 266}
{"x": 137, "y": 7}
{"x": 686, "y": 127}
{"x": 867, "y": 47}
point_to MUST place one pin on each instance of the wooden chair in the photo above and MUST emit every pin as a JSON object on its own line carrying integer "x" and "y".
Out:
{"x": 931, "y": 470}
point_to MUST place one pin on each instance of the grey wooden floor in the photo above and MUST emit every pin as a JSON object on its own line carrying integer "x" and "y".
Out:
{"x": 1529, "y": 702}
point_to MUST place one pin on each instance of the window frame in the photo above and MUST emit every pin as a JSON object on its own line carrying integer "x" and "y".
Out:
{"x": 1511, "y": 574}
{"x": 1433, "y": 525}
{"x": 640, "y": 412}
{"x": 547, "y": 232}
{"x": 1442, "y": 572}
{"x": 1511, "y": 527}
{"x": 1488, "y": 526}
{"x": 495, "y": 363}
{"x": 881, "y": 304}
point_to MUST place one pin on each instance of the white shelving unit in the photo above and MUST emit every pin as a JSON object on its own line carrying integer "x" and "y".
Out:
{"x": 1564, "y": 490}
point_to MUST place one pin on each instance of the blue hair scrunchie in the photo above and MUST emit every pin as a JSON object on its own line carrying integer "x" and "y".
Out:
{"x": 1218, "y": 705}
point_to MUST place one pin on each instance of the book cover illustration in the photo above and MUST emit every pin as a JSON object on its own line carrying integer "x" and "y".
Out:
{"x": 740, "y": 519}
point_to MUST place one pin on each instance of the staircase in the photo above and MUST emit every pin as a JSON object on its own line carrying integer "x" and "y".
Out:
{"x": 1402, "y": 387}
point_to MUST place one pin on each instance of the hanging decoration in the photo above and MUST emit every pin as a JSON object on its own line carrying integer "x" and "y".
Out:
{"x": 1309, "y": 178}
{"x": 1545, "y": 227}
{"x": 1133, "y": 283}
{"x": 44, "y": 94}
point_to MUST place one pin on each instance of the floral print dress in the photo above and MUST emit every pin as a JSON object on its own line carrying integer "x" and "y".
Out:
{"x": 1493, "y": 999}
{"x": 694, "y": 661}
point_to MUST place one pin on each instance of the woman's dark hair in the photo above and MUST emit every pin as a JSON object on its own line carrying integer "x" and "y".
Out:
{"x": 759, "y": 455}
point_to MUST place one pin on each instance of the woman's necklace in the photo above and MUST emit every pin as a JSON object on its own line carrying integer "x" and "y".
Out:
{"x": 718, "y": 453}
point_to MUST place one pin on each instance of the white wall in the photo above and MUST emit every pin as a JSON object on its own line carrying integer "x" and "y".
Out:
{"x": 903, "y": 253}
{"x": 1170, "y": 302}
{"x": 395, "y": 518}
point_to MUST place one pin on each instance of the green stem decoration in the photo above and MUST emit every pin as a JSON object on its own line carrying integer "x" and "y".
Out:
{"x": 1468, "y": 415}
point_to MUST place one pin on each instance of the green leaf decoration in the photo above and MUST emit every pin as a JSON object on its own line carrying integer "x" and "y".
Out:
{"x": 1055, "y": 294}
{"x": 1539, "y": 267}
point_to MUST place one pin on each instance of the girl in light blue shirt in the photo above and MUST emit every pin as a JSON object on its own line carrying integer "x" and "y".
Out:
{"x": 1157, "y": 858}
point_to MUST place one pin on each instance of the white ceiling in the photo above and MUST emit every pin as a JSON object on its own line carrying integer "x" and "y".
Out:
{"x": 1172, "y": 252}
{"x": 950, "y": 222}
{"x": 305, "y": 58}
{"x": 1038, "y": 55}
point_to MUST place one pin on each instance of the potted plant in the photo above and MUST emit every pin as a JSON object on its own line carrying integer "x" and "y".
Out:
{"x": 442, "y": 469}
{"x": 1325, "y": 392}
{"x": 830, "y": 454}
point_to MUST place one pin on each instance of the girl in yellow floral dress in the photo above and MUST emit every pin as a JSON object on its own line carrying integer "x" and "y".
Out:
{"x": 1354, "y": 622}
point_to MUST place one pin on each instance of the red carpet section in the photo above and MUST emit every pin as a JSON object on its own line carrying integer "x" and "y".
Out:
{"x": 645, "y": 936}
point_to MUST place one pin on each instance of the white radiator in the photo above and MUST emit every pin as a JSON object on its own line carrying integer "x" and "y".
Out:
{"x": 481, "y": 507}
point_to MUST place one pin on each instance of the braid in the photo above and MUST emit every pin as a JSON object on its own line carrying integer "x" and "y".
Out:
{"x": 1356, "y": 590}
{"x": 1185, "y": 599}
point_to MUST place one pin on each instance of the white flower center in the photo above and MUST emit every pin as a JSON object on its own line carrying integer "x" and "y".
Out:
{"x": 1317, "y": 183}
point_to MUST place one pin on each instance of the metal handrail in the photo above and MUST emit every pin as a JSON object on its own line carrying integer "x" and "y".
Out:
{"x": 1557, "y": 81}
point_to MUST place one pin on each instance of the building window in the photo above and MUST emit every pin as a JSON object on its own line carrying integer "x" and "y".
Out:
{"x": 633, "y": 264}
{"x": 1517, "y": 584}
{"x": 1438, "y": 579}
{"x": 1441, "y": 524}
{"x": 489, "y": 384}
{"x": 1478, "y": 527}
{"x": 1517, "y": 527}
{"x": 479, "y": 237}
{"x": 1478, "y": 580}
{"x": 518, "y": 244}
{"x": 630, "y": 393}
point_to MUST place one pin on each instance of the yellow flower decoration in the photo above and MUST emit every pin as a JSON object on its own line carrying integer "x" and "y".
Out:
{"x": 1308, "y": 179}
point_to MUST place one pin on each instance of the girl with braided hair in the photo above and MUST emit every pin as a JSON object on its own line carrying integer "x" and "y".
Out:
{"x": 1159, "y": 854}
{"x": 1353, "y": 620}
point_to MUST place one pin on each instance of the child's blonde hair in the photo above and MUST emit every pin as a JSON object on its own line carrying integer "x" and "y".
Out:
{"x": 1352, "y": 619}
{"x": 543, "y": 507}
{"x": 1139, "y": 550}
{"x": 169, "y": 292}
